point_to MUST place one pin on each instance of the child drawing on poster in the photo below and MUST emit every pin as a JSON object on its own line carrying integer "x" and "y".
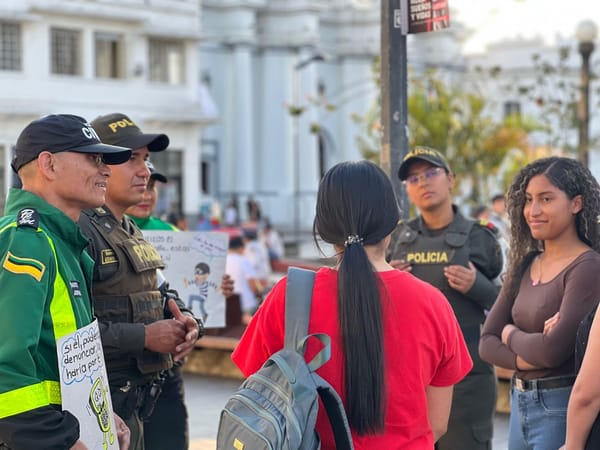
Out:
{"x": 194, "y": 265}
{"x": 101, "y": 409}
{"x": 84, "y": 387}
{"x": 200, "y": 280}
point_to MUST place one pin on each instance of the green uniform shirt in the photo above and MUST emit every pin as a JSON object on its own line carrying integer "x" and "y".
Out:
{"x": 153, "y": 223}
{"x": 29, "y": 268}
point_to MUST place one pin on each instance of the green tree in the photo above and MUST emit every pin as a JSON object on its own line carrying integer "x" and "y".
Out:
{"x": 458, "y": 123}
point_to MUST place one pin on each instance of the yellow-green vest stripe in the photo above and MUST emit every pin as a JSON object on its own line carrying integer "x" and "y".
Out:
{"x": 29, "y": 397}
{"x": 64, "y": 322}
{"x": 61, "y": 311}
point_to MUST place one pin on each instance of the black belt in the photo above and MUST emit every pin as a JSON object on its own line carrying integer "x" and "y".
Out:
{"x": 543, "y": 383}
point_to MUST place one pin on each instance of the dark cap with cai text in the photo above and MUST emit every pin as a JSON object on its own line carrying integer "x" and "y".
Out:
{"x": 63, "y": 133}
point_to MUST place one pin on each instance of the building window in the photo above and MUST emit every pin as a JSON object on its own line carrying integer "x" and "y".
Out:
{"x": 108, "y": 55}
{"x": 10, "y": 46}
{"x": 167, "y": 62}
{"x": 66, "y": 51}
{"x": 205, "y": 177}
{"x": 512, "y": 108}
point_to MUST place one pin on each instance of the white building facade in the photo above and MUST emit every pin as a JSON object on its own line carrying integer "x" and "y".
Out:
{"x": 258, "y": 97}
{"x": 93, "y": 57}
{"x": 287, "y": 77}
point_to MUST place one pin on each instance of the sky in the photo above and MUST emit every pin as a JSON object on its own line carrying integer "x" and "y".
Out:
{"x": 497, "y": 20}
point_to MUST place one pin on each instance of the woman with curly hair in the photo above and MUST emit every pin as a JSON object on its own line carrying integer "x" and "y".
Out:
{"x": 552, "y": 282}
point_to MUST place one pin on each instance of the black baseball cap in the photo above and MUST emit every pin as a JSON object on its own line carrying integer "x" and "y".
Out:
{"x": 63, "y": 133}
{"x": 118, "y": 129}
{"x": 201, "y": 269}
{"x": 154, "y": 175}
{"x": 425, "y": 154}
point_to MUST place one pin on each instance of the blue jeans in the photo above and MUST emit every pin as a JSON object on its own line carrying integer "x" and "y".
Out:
{"x": 538, "y": 418}
{"x": 200, "y": 299}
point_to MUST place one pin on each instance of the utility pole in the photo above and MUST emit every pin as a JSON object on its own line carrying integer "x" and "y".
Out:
{"x": 586, "y": 34}
{"x": 394, "y": 107}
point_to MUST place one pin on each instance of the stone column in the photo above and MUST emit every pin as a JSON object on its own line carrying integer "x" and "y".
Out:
{"x": 243, "y": 123}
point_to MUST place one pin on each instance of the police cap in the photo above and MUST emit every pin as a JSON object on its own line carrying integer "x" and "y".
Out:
{"x": 425, "y": 154}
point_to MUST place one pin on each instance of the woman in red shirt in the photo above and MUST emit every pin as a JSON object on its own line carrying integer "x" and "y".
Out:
{"x": 396, "y": 348}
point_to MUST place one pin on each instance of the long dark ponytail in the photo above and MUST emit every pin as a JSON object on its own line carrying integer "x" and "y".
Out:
{"x": 356, "y": 206}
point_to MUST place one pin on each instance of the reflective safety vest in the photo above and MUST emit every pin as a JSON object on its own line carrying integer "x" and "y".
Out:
{"x": 46, "y": 392}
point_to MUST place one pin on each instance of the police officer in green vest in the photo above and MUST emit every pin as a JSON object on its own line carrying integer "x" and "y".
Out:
{"x": 45, "y": 275}
{"x": 462, "y": 258}
{"x": 140, "y": 340}
{"x": 142, "y": 213}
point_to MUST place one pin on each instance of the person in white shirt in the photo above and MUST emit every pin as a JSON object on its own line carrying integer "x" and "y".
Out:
{"x": 258, "y": 254}
{"x": 272, "y": 240}
{"x": 240, "y": 269}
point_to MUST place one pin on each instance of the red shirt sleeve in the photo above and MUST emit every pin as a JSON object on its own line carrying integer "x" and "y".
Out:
{"x": 264, "y": 334}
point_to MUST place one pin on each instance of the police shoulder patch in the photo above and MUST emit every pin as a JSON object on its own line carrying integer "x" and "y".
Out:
{"x": 484, "y": 223}
{"x": 28, "y": 217}
{"x": 27, "y": 266}
{"x": 101, "y": 211}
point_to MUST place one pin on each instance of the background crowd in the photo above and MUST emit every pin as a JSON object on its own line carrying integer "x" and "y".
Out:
{"x": 419, "y": 311}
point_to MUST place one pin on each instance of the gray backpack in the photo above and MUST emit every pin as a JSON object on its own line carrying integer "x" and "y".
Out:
{"x": 276, "y": 408}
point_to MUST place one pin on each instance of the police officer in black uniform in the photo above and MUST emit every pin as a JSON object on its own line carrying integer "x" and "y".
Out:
{"x": 139, "y": 337}
{"x": 462, "y": 258}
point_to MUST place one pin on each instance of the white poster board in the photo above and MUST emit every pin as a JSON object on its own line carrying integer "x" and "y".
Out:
{"x": 194, "y": 265}
{"x": 84, "y": 387}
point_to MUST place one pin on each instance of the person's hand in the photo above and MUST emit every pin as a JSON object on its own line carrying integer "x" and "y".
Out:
{"x": 400, "y": 264}
{"x": 563, "y": 448}
{"x": 184, "y": 348}
{"x": 507, "y": 331}
{"x": 163, "y": 336}
{"x": 227, "y": 285}
{"x": 461, "y": 278}
{"x": 551, "y": 323}
{"x": 79, "y": 446}
{"x": 123, "y": 432}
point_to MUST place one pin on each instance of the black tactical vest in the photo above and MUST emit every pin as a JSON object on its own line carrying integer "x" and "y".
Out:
{"x": 429, "y": 254}
{"x": 125, "y": 283}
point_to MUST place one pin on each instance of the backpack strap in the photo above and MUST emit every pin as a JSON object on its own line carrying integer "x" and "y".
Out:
{"x": 298, "y": 298}
{"x": 339, "y": 422}
{"x": 298, "y": 301}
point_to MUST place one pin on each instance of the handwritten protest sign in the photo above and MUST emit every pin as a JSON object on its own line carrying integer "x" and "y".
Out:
{"x": 84, "y": 387}
{"x": 194, "y": 264}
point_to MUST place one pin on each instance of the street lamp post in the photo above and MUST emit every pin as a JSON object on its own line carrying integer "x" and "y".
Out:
{"x": 394, "y": 106}
{"x": 586, "y": 33}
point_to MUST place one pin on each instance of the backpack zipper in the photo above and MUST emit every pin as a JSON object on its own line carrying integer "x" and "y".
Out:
{"x": 282, "y": 395}
{"x": 251, "y": 404}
